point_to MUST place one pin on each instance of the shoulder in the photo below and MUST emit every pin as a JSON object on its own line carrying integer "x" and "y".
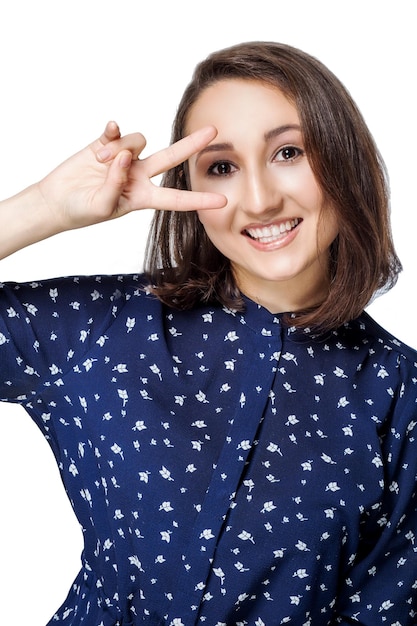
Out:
{"x": 78, "y": 290}
{"x": 387, "y": 357}
{"x": 383, "y": 340}
{"x": 50, "y": 324}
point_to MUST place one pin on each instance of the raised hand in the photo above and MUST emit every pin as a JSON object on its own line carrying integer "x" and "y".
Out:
{"x": 103, "y": 181}
{"x": 107, "y": 179}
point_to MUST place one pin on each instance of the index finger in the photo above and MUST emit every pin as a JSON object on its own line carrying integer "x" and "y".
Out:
{"x": 178, "y": 152}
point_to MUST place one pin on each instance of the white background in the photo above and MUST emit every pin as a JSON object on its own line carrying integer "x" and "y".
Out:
{"x": 67, "y": 66}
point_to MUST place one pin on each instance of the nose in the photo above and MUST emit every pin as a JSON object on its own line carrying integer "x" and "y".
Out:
{"x": 260, "y": 192}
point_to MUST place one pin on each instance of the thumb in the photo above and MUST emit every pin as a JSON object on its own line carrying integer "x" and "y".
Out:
{"x": 117, "y": 178}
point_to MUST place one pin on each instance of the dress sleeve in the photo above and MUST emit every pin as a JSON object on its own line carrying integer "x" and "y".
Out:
{"x": 46, "y": 327}
{"x": 381, "y": 586}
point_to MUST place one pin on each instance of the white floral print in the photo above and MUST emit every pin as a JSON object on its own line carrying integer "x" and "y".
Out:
{"x": 226, "y": 469}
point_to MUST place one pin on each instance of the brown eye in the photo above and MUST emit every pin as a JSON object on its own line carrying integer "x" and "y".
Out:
{"x": 289, "y": 153}
{"x": 221, "y": 168}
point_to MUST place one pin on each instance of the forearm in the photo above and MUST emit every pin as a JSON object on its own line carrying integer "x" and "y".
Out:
{"x": 25, "y": 219}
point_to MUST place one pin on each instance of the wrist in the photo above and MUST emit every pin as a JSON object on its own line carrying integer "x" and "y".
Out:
{"x": 26, "y": 218}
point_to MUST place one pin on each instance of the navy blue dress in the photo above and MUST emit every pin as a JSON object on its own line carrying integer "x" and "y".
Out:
{"x": 225, "y": 468}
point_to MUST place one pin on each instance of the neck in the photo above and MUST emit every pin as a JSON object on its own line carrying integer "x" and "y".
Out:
{"x": 286, "y": 296}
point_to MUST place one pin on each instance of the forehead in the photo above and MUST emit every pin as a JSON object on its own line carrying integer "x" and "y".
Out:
{"x": 232, "y": 102}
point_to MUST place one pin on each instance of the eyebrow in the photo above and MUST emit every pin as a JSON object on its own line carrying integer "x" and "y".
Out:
{"x": 214, "y": 147}
{"x": 270, "y": 134}
{"x": 280, "y": 130}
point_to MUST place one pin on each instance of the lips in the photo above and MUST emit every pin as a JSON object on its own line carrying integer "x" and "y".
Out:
{"x": 272, "y": 232}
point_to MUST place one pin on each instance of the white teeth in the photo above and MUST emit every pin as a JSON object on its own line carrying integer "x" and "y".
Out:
{"x": 265, "y": 234}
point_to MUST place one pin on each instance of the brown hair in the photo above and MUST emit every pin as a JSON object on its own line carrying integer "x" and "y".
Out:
{"x": 184, "y": 266}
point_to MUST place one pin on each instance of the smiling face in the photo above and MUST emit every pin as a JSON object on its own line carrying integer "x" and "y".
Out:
{"x": 274, "y": 228}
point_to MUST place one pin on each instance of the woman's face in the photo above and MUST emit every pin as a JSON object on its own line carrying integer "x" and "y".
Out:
{"x": 273, "y": 229}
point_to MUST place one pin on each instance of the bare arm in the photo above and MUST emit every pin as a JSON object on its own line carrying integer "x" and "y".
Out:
{"x": 103, "y": 181}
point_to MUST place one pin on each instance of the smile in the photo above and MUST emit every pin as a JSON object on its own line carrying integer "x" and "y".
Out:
{"x": 267, "y": 234}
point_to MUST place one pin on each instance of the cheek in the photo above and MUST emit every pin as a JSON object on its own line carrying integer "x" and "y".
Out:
{"x": 310, "y": 193}
{"x": 215, "y": 220}
{"x": 210, "y": 223}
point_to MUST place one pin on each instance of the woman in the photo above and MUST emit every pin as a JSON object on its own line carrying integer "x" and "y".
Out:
{"x": 236, "y": 436}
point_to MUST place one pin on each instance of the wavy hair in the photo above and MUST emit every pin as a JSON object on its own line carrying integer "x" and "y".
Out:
{"x": 185, "y": 268}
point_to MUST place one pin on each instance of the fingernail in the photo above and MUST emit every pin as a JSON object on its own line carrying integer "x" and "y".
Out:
{"x": 103, "y": 154}
{"x": 125, "y": 160}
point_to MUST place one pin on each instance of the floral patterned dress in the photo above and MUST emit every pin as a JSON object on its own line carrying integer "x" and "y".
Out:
{"x": 225, "y": 468}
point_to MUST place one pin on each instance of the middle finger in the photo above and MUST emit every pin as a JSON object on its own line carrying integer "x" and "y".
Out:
{"x": 178, "y": 152}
